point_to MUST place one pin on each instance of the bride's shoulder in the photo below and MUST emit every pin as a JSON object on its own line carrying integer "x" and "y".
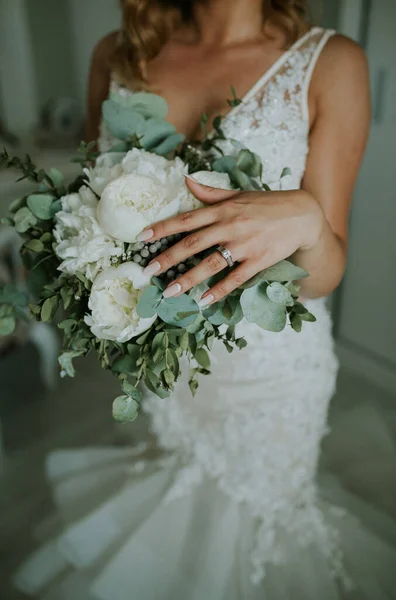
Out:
{"x": 106, "y": 46}
{"x": 341, "y": 58}
{"x": 343, "y": 66}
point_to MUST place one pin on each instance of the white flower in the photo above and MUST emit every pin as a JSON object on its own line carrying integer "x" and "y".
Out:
{"x": 107, "y": 168}
{"x": 151, "y": 189}
{"x": 213, "y": 179}
{"x": 114, "y": 297}
{"x": 80, "y": 241}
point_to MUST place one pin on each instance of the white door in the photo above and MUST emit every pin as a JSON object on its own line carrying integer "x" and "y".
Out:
{"x": 366, "y": 320}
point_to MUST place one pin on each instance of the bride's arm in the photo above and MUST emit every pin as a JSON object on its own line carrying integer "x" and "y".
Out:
{"x": 262, "y": 228}
{"x": 99, "y": 83}
{"x": 337, "y": 143}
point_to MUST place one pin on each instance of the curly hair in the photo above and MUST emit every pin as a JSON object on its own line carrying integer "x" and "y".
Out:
{"x": 148, "y": 24}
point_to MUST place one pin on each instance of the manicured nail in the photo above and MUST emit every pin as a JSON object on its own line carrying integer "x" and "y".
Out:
{"x": 206, "y": 301}
{"x": 145, "y": 235}
{"x": 192, "y": 178}
{"x": 152, "y": 269}
{"x": 172, "y": 290}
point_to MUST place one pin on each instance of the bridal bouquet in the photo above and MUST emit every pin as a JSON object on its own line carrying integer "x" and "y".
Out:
{"x": 85, "y": 265}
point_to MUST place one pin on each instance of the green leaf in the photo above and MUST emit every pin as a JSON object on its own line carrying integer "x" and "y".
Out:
{"x": 296, "y": 322}
{"x": 194, "y": 385}
{"x": 279, "y": 294}
{"x": 241, "y": 343}
{"x": 67, "y": 297}
{"x": 202, "y": 358}
{"x": 169, "y": 377}
{"x": 24, "y": 220}
{"x": 192, "y": 342}
{"x": 159, "y": 283}
{"x": 173, "y": 362}
{"x": 181, "y": 311}
{"x": 225, "y": 164}
{"x": 7, "y": 325}
{"x": 40, "y": 205}
{"x": 249, "y": 163}
{"x": 66, "y": 362}
{"x": 57, "y": 177}
{"x": 242, "y": 180}
{"x": 16, "y": 204}
{"x": 285, "y": 172}
{"x": 34, "y": 246}
{"x": 157, "y": 131}
{"x": 216, "y": 314}
{"x": 169, "y": 144}
{"x": 283, "y": 271}
{"x": 10, "y": 294}
{"x": 259, "y": 309}
{"x": 154, "y": 384}
{"x": 125, "y": 364}
{"x": 309, "y": 317}
{"x": 49, "y": 308}
{"x": 125, "y": 409}
{"x": 145, "y": 103}
{"x": 123, "y": 122}
{"x": 149, "y": 302}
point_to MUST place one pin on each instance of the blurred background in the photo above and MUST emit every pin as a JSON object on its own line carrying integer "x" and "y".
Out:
{"x": 45, "y": 49}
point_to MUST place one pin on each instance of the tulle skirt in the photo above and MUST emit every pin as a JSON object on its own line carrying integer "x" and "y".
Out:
{"x": 122, "y": 541}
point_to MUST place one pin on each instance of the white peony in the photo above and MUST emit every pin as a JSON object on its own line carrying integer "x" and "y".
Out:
{"x": 151, "y": 189}
{"x": 114, "y": 297}
{"x": 107, "y": 168}
{"x": 80, "y": 241}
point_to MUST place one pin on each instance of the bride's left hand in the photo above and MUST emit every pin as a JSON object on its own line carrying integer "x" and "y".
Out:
{"x": 258, "y": 228}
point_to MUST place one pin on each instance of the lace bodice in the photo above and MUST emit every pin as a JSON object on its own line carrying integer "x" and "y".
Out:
{"x": 273, "y": 118}
{"x": 256, "y": 423}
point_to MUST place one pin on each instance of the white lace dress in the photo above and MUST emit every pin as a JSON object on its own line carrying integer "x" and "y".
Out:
{"x": 233, "y": 509}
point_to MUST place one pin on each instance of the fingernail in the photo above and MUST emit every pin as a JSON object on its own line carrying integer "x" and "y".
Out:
{"x": 192, "y": 178}
{"x": 145, "y": 235}
{"x": 152, "y": 269}
{"x": 206, "y": 301}
{"x": 172, "y": 290}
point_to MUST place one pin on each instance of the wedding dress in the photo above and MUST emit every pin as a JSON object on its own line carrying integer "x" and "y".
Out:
{"x": 232, "y": 507}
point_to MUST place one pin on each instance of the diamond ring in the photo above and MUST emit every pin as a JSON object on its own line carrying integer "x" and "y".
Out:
{"x": 226, "y": 254}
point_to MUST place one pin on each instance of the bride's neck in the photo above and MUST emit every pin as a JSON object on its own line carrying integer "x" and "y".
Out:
{"x": 223, "y": 22}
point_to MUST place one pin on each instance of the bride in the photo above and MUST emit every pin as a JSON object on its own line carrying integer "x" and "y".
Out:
{"x": 231, "y": 505}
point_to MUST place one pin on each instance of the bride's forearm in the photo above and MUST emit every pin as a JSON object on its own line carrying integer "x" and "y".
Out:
{"x": 325, "y": 259}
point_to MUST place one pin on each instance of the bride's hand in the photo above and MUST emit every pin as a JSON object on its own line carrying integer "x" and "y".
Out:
{"x": 258, "y": 228}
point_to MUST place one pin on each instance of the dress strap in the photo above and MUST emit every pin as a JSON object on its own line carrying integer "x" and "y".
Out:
{"x": 318, "y": 41}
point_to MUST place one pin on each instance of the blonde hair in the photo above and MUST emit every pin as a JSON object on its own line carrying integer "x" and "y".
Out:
{"x": 148, "y": 24}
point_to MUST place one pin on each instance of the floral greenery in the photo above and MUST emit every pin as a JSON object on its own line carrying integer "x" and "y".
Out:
{"x": 270, "y": 299}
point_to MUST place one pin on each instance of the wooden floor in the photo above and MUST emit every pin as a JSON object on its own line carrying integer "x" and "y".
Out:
{"x": 77, "y": 413}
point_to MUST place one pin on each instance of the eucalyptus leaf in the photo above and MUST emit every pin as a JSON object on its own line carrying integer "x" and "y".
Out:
{"x": 49, "y": 308}
{"x": 308, "y": 317}
{"x": 145, "y": 103}
{"x": 225, "y": 164}
{"x": 181, "y": 311}
{"x": 16, "y": 204}
{"x": 169, "y": 144}
{"x": 279, "y": 294}
{"x": 242, "y": 180}
{"x": 123, "y": 122}
{"x": 125, "y": 409}
{"x": 66, "y": 362}
{"x": 125, "y": 364}
{"x": 154, "y": 384}
{"x": 249, "y": 163}
{"x": 157, "y": 130}
{"x": 7, "y": 325}
{"x": 149, "y": 302}
{"x": 24, "y": 220}
{"x": 283, "y": 271}
{"x": 57, "y": 177}
{"x": 296, "y": 322}
{"x": 202, "y": 358}
{"x": 40, "y": 205}
{"x": 259, "y": 309}
{"x": 34, "y": 246}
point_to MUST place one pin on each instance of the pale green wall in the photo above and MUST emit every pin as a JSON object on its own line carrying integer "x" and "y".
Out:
{"x": 52, "y": 45}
